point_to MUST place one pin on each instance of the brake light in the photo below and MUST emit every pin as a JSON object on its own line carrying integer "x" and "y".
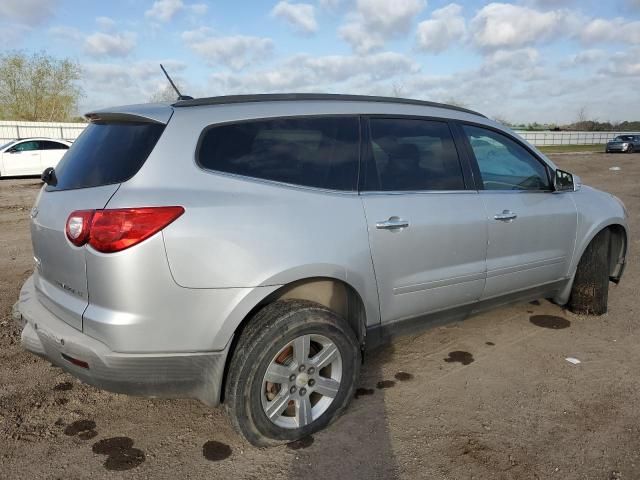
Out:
{"x": 114, "y": 230}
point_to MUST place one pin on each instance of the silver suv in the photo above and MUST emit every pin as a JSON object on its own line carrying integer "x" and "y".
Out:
{"x": 247, "y": 249}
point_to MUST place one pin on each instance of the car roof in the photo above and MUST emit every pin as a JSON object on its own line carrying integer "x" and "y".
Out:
{"x": 289, "y": 97}
{"x": 41, "y": 138}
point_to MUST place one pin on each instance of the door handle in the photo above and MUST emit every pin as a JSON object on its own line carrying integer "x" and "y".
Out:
{"x": 506, "y": 216}
{"x": 392, "y": 224}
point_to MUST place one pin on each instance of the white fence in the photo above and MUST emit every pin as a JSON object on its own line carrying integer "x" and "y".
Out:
{"x": 10, "y": 130}
{"x": 69, "y": 131}
{"x": 547, "y": 137}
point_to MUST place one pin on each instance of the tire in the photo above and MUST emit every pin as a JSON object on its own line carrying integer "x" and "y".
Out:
{"x": 268, "y": 342}
{"x": 590, "y": 290}
{"x": 631, "y": 149}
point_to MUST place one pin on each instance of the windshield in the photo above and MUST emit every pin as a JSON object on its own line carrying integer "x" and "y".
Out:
{"x": 6, "y": 145}
{"x": 624, "y": 138}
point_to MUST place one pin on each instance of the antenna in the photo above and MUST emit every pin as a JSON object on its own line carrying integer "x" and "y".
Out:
{"x": 180, "y": 96}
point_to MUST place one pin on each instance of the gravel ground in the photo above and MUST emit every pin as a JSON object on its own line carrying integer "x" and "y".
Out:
{"x": 491, "y": 397}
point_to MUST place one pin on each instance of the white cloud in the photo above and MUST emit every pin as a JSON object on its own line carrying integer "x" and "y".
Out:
{"x": 299, "y": 15}
{"x": 501, "y": 25}
{"x": 446, "y": 26}
{"x": 11, "y": 36}
{"x": 164, "y": 10}
{"x": 312, "y": 73}
{"x": 198, "y": 34}
{"x": 585, "y": 57}
{"x": 619, "y": 30}
{"x": 236, "y": 51}
{"x": 102, "y": 44}
{"x": 27, "y": 12}
{"x": 199, "y": 8}
{"x": 105, "y": 23}
{"x": 68, "y": 34}
{"x": 376, "y": 21}
{"x": 133, "y": 82}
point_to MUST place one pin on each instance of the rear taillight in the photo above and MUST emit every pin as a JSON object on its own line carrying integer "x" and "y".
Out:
{"x": 117, "y": 229}
{"x": 78, "y": 226}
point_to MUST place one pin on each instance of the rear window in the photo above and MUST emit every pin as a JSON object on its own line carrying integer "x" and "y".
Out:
{"x": 320, "y": 152}
{"x": 106, "y": 153}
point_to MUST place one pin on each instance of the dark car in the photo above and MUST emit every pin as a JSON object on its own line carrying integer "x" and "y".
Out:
{"x": 624, "y": 143}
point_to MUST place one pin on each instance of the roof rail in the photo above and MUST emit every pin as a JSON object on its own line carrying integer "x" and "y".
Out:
{"x": 284, "y": 97}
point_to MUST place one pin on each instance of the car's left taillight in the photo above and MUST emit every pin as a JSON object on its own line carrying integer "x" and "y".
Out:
{"x": 113, "y": 230}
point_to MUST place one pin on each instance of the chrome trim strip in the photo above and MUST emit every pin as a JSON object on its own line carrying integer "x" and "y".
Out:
{"x": 527, "y": 266}
{"x": 445, "y": 282}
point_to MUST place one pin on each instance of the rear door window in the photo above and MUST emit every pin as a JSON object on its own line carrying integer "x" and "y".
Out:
{"x": 412, "y": 155}
{"x": 106, "y": 153}
{"x": 49, "y": 145}
{"x": 320, "y": 152}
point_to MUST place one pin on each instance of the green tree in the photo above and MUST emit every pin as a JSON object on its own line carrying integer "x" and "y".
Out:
{"x": 38, "y": 87}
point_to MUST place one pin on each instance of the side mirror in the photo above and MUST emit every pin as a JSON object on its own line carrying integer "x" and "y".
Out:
{"x": 566, "y": 182}
{"x": 49, "y": 176}
{"x": 13, "y": 150}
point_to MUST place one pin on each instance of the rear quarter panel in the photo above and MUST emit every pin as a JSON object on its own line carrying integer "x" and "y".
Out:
{"x": 243, "y": 233}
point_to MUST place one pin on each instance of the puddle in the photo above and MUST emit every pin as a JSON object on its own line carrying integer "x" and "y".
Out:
{"x": 550, "y": 321}
{"x": 385, "y": 384}
{"x": 491, "y": 344}
{"x": 403, "y": 376}
{"x": 120, "y": 453}
{"x": 215, "y": 451}
{"x": 361, "y": 392}
{"x": 303, "y": 443}
{"x": 63, "y": 387}
{"x": 83, "y": 429}
{"x": 465, "y": 358}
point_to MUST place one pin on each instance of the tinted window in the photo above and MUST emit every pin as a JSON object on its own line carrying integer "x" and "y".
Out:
{"x": 412, "y": 155}
{"x": 26, "y": 146}
{"x": 106, "y": 153}
{"x": 47, "y": 145}
{"x": 316, "y": 152}
{"x": 505, "y": 164}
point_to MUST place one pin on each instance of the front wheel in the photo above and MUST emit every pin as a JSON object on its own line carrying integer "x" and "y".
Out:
{"x": 293, "y": 372}
{"x": 630, "y": 149}
{"x": 590, "y": 290}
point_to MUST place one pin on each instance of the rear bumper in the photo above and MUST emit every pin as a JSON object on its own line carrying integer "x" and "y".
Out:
{"x": 169, "y": 375}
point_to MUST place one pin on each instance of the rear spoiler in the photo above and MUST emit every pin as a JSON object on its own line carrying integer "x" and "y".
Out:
{"x": 149, "y": 112}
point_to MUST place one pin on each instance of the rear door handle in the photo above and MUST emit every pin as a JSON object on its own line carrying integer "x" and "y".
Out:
{"x": 506, "y": 216}
{"x": 392, "y": 224}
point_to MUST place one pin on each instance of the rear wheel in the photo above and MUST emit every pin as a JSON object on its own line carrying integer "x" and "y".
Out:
{"x": 590, "y": 291}
{"x": 294, "y": 371}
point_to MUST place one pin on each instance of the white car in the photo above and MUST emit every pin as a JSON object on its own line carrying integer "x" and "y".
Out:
{"x": 30, "y": 156}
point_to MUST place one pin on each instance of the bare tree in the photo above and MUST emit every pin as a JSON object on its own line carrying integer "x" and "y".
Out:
{"x": 38, "y": 87}
{"x": 455, "y": 103}
{"x": 164, "y": 94}
{"x": 501, "y": 119}
{"x": 397, "y": 90}
{"x": 581, "y": 116}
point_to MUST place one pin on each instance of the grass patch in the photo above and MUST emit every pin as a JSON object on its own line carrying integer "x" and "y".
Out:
{"x": 571, "y": 148}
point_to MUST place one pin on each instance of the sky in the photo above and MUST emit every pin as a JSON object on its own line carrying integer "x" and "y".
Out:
{"x": 521, "y": 61}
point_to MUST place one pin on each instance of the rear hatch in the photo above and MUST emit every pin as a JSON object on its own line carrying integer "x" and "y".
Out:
{"x": 111, "y": 150}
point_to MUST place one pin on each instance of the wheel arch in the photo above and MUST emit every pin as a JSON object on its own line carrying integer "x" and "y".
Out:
{"x": 618, "y": 244}
{"x": 334, "y": 293}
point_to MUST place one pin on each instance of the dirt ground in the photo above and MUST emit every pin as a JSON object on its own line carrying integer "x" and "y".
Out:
{"x": 488, "y": 398}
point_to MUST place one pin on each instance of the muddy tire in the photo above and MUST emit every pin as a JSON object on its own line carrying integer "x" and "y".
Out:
{"x": 590, "y": 291}
{"x": 294, "y": 370}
